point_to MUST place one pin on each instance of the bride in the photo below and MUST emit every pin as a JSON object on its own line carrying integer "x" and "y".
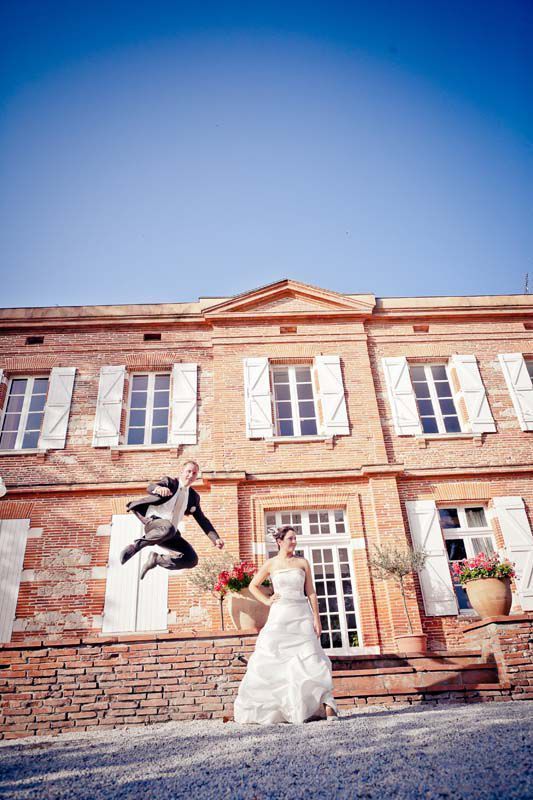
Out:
{"x": 289, "y": 676}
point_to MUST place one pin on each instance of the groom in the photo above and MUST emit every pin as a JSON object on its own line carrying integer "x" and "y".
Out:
{"x": 161, "y": 513}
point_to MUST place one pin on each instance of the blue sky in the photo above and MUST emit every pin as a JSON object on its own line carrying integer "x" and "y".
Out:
{"x": 157, "y": 152}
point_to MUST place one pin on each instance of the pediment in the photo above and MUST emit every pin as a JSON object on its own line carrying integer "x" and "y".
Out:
{"x": 291, "y": 298}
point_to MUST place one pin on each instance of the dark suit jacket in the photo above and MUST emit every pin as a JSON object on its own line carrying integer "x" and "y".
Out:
{"x": 193, "y": 504}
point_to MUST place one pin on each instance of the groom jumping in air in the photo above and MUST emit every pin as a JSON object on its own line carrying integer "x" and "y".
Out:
{"x": 161, "y": 513}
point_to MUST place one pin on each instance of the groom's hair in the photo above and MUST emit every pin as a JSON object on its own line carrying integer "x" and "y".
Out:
{"x": 191, "y": 461}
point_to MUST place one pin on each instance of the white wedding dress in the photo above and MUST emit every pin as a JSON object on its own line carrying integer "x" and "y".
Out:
{"x": 289, "y": 676}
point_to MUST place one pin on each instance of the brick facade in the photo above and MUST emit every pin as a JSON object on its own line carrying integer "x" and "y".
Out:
{"x": 70, "y": 494}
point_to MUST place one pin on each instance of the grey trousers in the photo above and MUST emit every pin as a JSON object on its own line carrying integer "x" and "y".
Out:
{"x": 163, "y": 533}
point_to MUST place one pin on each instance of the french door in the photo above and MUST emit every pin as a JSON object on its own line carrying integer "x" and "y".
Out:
{"x": 329, "y": 555}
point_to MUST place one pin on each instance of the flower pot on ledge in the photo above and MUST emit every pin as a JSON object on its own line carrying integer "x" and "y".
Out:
{"x": 411, "y": 643}
{"x": 490, "y": 597}
{"x": 247, "y": 612}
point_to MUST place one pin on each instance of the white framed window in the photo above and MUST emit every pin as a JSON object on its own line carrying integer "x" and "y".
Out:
{"x": 294, "y": 401}
{"x": 23, "y": 413}
{"x": 324, "y": 540}
{"x": 434, "y": 398}
{"x": 466, "y": 534}
{"x": 148, "y": 408}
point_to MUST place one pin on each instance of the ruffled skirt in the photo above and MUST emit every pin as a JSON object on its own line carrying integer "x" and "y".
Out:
{"x": 289, "y": 676}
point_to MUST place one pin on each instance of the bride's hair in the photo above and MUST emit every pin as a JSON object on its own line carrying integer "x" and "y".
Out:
{"x": 280, "y": 533}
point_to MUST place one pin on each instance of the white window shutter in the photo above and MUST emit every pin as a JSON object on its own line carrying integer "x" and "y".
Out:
{"x": 480, "y": 418}
{"x": 13, "y": 535}
{"x": 401, "y": 396}
{"x": 152, "y": 601}
{"x": 435, "y": 577}
{"x": 520, "y": 387}
{"x": 331, "y": 387}
{"x": 109, "y": 406}
{"x": 57, "y": 408}
{"x": 183, "y": 428}
{"x": 518, "y": 540}
{"x": 258, "y": 400}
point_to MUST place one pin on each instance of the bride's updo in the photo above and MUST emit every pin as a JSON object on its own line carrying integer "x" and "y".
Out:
{"x": 280, "y": 533}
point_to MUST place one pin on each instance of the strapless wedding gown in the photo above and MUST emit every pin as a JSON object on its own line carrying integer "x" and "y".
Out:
{"x": 289, "y": 676}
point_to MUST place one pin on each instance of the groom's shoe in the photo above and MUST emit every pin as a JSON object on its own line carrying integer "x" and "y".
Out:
{"x": 151, "y": 562}
{"x": 128, "y": 553}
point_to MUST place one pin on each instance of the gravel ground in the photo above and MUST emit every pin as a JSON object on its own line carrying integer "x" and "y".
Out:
{"x": 452, "y": 751}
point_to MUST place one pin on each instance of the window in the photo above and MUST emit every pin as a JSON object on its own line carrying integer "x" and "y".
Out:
{"x": 323, "y": 539}
{"x": 434, "y": 399}
{"x": 23, "y": 413}
{"x": 148, "y": 409}
{"x": 294, "y": 402}
{"x": 466, "y": 533}
{"x": 529, "y": 367}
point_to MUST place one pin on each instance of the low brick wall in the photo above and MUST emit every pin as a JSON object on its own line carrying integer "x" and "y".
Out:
{"x": 510, "y": 641}
{"x": 54, "y": 686}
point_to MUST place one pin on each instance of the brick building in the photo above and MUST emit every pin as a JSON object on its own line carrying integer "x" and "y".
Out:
{"x": 359, "y": 420}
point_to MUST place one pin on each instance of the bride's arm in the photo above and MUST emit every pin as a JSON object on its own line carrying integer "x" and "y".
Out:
{"x": 311, "y": 595}
{"x": 256, "y": 582}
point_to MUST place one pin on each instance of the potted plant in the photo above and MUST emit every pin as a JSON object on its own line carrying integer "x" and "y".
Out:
{"x": 205, "y": 577}
{"x": 392, "y": 563}
{"x": 244, "y": 609}
{"x": 487, "y": 582}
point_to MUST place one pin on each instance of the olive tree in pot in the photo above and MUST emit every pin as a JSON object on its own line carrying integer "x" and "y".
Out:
{"x": 389, "y": 563}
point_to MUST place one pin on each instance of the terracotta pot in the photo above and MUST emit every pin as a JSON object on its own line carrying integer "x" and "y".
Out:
{"x": 490, "y": 597}
{"x": 412, "y": 643}
{"x": 245, "y": 611}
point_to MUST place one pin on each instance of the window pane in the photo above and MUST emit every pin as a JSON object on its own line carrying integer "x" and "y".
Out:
{"x": 160, "y": 417}
{"x": 336, "y": 640}
{"x": 34, "y": 422}
{"x": 7, "y": 441}
{"x": 350, "y": 620}
{"x": 162, "y": 382}
{"x": 286, "y": 428}
{"x": 308, "y": 427}
{"x": 37, "y": 402}
{"x": 306, "y": 408}
{"x": 15, "y": 403}
{"x": 343, "y": 554}
{"x": 303, "y": 375}
{"x": 482, "y": 544}
{"x": 443, "y": 389}
{"x": 137, "y": 418}
{"x": 281, "y": 376}
{"x": 449, "y": 518}
{"x": 30, "y": 439}
{"x": 447, "y": 406}
{"x": 462, "y": 597}
{"x": 161, "y": 399}
{"x": 304, "y": 391}
{"x": 138, "y": 400}
{"x": 139, "y": 383}
{"x": 439, "y": 372}
{"x": 159, "y": 435}
{"x": 348, "y": 603}
{"x": 425, "y": 408}
{"x": 40, "y": 386}
{"x": 429, "y": 425}
{"x": 18, "y": 386}
{"x": 325, "y": 640}
{"x": 452, "y": 425}
{"x": 136, "y": 436}
{"x": 11, "y": 422}
{"x": 475, "y": 517}
{"x": 456, "y": 549}
{"x": 421, "y": 390}
{"x": 333, "y": 604}
{"x": 284, "y": 410}
{"x": 282, "y": 391}
{"x": 418, "y": 374}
